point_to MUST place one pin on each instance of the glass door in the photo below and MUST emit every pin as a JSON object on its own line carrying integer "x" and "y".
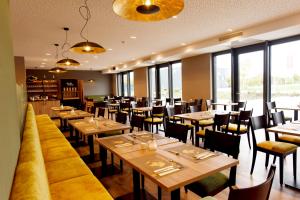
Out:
{"x": 251, "y": 75}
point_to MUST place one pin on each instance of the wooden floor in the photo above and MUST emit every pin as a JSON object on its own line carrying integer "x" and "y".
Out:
{"x": 121, "y": 184}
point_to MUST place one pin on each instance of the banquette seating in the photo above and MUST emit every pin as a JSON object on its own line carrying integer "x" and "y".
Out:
{"x": 48, "y": 166}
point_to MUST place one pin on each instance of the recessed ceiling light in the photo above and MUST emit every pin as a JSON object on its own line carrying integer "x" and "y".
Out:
{"x": 175, "y": 17}
{"x": 183, "y": 44}
{"x": 109, "y": 49}
{"x": 43, "y": 63}
{"x": 42, "y": 66}
{"x": 132, "y": 37}
{"x": 48, "y": 54}
{"x": 86, "y": 61}
{"x": 153, "y": 53}
{"x": 229, "y": 30}
{"x": 45, "y": 59}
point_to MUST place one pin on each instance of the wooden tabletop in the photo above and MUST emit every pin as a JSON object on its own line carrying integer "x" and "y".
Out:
{"x": 94, "y": 126}
{"x": 64, "y": 108}
{"x": 144, "y": 109}
{"x": 225, "y": 104}
{"x": 74, "y": 115}
{"x": 203, "y": 115}
{"x": 288, "y": 129}
{"x": 288, "y": 108}
{"x": 190, "y": 171}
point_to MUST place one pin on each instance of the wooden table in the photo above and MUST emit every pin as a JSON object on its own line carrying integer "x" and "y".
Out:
{"x": 295, "y": 109}
{"x": 61, "y": 109}
{"x": 224, "y": 104}
{"x": 68, "y": 115}
{"x": 94, "y": 126}
{"x": 142, "y": 159}
{"x": 292, "y": 129}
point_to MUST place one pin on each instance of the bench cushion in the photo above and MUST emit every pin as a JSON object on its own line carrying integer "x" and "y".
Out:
{"x": 58, "y": 153}
{"x": 84, "y": 188}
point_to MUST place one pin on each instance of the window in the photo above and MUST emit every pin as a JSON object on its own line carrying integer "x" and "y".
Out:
{"x": 165, "y": 81}
{"x": 222, "y": 65}
{"x": 125, "y": 81}
{"x": 285, "y": 75}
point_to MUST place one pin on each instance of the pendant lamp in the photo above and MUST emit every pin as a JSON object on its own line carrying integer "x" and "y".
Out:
{"x": 147, "y": 10}
{"x": 86, "y": 47}
{"x": 66, "y": 62}
{"x": 57, "y": 70}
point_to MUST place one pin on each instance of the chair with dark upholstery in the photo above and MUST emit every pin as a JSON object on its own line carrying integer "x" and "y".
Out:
{"x": 220, "y": 120}
{"x": 177, "y": 131}
{"x": 137, "y": 122}
{"x": 156, "y": 118}
{"x": 278, "y": 118}
{"x": 211, "y": 185}
{"x": 271, "y": 107}
{"x": 278, "y": 149}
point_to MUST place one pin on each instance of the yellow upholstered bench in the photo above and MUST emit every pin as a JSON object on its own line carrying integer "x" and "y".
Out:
{"x": 49, "y": 167}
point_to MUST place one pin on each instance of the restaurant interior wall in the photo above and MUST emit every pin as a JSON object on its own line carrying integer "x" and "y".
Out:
{"x": 140, "y": 82}
{"x": 10, "y": 121}
{"x": 101, "y": 85}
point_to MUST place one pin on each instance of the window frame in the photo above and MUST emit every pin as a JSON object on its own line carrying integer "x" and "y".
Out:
{"x": 120, "y": 87}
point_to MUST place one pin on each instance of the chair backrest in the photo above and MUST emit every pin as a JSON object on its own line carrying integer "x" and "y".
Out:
{"x": 121, "y": 117}
{"x": 195, "y": 108}
{"x": 137, "y": 121}
{"x": 158, "y": 110}
{"x": 241, "y": 105}
{"x": 208, "y": 104}
{"x": 220, "y": 120}
{"x": 178, "y": 131}
{"x": 170, "y": 111}
{"x": 168, "y": 101}
{"x": 124, "y": 105}
{"x": 158, "y": 102}
{"x": 278, "y": 118}
{"x": 258, "y": 123}
{"x": 261, "y": 191}
{"x": 225, "y": 143}
{"x": 270, "y": 106}
{"x": 101, "y": 111}
{"x": 178, "y": 109}
{"x": 177, "y": 100}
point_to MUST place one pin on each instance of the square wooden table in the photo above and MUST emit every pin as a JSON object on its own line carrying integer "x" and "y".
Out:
{"x": 295, "y": 109}
{"x": 224, "y": 104}
{"x": 94, "y": 126}
{"x": 292, "y": 129}
{"x": 68, "y": 115}
{"x": 143, "y": 161}
{"x": 61, "y": 109}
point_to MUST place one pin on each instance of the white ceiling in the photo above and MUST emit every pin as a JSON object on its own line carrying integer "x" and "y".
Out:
{"x": 37, "y": 24}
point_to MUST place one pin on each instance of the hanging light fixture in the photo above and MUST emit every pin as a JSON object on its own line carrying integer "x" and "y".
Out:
{"x": 66, "y": 62}
{"x": 57, "y": 70}
{"x": 147, "y": 10}
{"x": 86, "y": 47}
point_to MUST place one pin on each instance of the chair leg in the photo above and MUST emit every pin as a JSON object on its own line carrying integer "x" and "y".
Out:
{"x": 197, "y": 141}
{"x": 192, "y": 135}
{"x": 274, "y": 159}
{"x": 248, "y": 136}
{"x": 156, "y": 128}
{"x": 281, "y": 170}
{"x": 253, "y": 160}
{"x": 267, "y": 160}
{"x": 143, "y": 181}
{"x": 295, "y": 164}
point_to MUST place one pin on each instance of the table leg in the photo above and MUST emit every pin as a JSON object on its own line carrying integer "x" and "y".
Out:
{"x": 295, "y": 115}
{"x": 225, "y": 107}
{"x": 91, "y": 144}
{"x": 77, "y": 138}
{"x": 103, "y": 156}
{"x": 158, "y": 193}
{"x": 71, "y": 132}
{"x": 136, "y": 184}
{"x": 175, "y": 194}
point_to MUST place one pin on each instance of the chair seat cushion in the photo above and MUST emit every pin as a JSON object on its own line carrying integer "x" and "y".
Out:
{"x": 158, "y": 115}
{"x": 138, "y": 111}
{"x": 58, "y": 153}
{"x": 64, "y": 169}
{"x": 112, "y": 111}
{"x": 189, "y": 125}
{"x": 206, "y": 122}
{"x": 201, "y": 133}
{"x": 234, "y": 128}
{"x": 125, "y": 109}
{"x": 111, "y": 133}
{"x": 289, "y": 138}
{"x": 209, "y": 185}
{"x": 278, "y": 147}
{"x": 155, "y": 120}
{"x": 84, "y": 188}
{"x": 174, "y": 118}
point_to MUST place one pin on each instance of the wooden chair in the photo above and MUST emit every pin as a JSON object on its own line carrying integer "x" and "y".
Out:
{"x": 177, "y": 131}
{"x": 261, "y": 191}
{"x": 211, "y": 185}
{"x": 241, "y": 106}
{"x": 125, "y": 107}
{"x": 279, "y": 149}
{"x": 112, "y": 109}
{"x": 278, "y": 118}
{"x": 157, "y": 117}
{"x": 138, "y": 122}
{"x": 220, "y": 120}
{"x": 202, "y": 123}
{"x": 209, "y": 105}
{"x": 168, "y": 101}
{"x": 169, "y": 115}
{"x": 271, "y": 107}
{"x": 99, "y": 111}
{"x": 242, "y": 126}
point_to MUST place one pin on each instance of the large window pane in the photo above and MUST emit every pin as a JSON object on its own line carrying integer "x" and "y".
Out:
{"x": 164, "y": 82}
{"x": 223, "y": 77}
{"x": 152, "y": 83}
{"x": 131, "y": 83}
{"x": 285, "y": 75}
{"x": 177, "y": 80}
{"x": 125, "y": 84}
{"x": 119, "y": 84}
{"x": 251, "y": 69}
